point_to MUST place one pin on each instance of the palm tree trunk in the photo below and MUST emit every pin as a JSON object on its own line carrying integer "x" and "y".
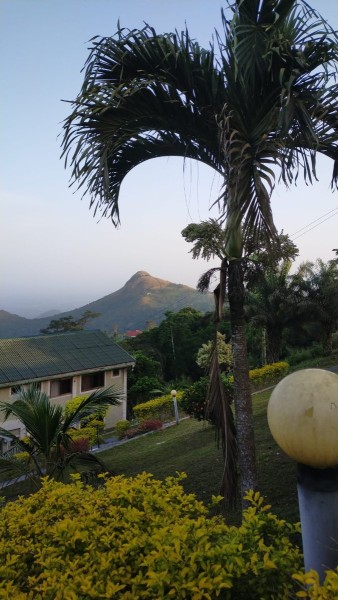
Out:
{"x": 243, "y": 403}
{"x": 327, "y": 342}
{"x": 274, "y": 343}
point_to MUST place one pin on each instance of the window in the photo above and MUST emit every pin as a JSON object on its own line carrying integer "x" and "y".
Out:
{"x": 92, "y": 381}
{"x": 116, "y": 372}
{"x": 15, "y": 390}
{"x": 60, "y": 387}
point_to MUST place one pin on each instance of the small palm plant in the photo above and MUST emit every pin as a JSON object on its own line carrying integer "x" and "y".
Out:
{"x": 48, "y": 446}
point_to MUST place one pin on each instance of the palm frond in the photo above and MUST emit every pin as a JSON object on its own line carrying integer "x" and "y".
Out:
{"x": 12, "y": 468}
{"x": 219, "y": 410}
{"x": 144, "y": 96}
{"x": 110, "y": 396}
{"x": 41, "y": 419}
{"x": 77, "y": 461}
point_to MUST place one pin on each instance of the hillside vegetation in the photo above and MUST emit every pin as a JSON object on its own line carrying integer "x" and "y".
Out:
{"x": 141, "y": 300}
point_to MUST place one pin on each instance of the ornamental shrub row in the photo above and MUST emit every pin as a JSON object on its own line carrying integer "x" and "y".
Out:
{"x": 144, "y": 539}
{"x": 159, "y": 408}
{"x": 268, "y": 373}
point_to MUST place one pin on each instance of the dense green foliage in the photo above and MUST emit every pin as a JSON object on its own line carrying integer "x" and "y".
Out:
{"x": 139, "y": 538}
{"x": 158, "y": 408}
{"x": 194, "y": 398}
{"x": 50, "y": 441}
{"x": 174, "y": 345}
{"x": 224, "y": 354}
{"x": 144, "y": 538}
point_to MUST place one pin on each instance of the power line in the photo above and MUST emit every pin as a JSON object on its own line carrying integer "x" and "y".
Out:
{"x": 179, "y": 301}
{"x": 315, "y": 221}
{"x": 317, "y": 225}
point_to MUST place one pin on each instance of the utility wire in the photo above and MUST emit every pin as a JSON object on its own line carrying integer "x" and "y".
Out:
{"x": 315, "y": 221}
{"x": 180, "y": 301}
{"x": 317, "y": 225}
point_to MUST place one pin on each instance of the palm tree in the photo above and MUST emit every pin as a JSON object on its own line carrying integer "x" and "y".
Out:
{"x": 272, "y": 305}
{"x": 263, "y": 100}
{"x": 318, "y": 282}
{"x": 48, "y": 444}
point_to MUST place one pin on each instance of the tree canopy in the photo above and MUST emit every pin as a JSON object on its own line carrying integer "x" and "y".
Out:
{"x": 48, "y": 445}
{"x": 67, "y": 324}
{"x": 260, "y": 101}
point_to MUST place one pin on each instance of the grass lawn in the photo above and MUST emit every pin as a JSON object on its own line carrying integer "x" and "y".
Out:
{"x": 190, "y": 447}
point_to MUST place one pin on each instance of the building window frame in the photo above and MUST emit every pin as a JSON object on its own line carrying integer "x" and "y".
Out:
{"x": 92, "y": 381}
{"x": 61, "y": 387}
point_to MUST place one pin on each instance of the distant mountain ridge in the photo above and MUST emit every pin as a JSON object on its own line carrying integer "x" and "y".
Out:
{"x": 141, "y": 300}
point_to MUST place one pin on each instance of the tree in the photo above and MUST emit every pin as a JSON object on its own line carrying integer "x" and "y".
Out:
{"x": 175, "y": 342}
{"x": 318, "y": 283}
{"x": 67, "y": 324}
{"x": 272, "y": 305}
{"x": 266, "y": 101}
{"x": 224, "y": 354}
{"x": 48, "y": 444}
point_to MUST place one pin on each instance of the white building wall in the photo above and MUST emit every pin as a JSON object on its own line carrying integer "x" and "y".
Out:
{"x": 114, "y": 414}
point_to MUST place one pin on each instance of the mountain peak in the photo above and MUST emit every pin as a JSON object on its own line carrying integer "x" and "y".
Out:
{"x": 143, "y": 298}
{"x": 143, "y": 280}
{"x": 138, "y": 275}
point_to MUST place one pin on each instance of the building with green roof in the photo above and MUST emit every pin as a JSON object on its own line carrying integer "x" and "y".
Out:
{"x": 64, "y": 366}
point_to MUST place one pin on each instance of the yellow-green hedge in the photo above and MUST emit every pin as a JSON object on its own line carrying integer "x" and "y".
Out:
{"x": 159, "y": 408}
{"x": 268, "y": 373}
{"x": 142, "y": 539}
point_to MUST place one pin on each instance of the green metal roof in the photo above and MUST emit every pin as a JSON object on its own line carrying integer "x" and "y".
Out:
{"x": 41, "y": 357}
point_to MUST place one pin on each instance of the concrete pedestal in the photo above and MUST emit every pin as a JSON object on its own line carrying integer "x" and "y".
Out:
{"x": 318, "y": 506}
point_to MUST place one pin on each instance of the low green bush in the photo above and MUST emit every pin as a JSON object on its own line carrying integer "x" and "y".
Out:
{"x": 161, "y": 408}
{"x": 335, "y": 340}
{"x": 193, "y": 400}
{"x": 89, "y": 433}
{"x": 121, "y": 427}
{"x": 142, "y": 538}
{"x": 302, "y": 354}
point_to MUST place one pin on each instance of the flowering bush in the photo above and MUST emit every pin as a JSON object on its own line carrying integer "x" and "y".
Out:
{"x": 144, "y": 427}
{"x": 141, "y": 538}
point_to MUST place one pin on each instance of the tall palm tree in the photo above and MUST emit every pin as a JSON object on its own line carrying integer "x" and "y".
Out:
{"x": 48, "y": 444}
{"x": 272, "y": 305}
{"x": 263, "y": 99}
{"x": 318, "y": 283}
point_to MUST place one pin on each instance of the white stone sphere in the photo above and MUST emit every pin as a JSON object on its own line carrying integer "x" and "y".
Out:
{"x": 303, "y": 417}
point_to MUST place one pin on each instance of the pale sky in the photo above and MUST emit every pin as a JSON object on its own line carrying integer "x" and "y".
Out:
{"x": 54, "y": 253}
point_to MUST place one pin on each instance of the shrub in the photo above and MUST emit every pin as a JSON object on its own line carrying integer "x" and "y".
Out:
{"x": 96, "y": 418}
{"x": 193, "y": 401}
{"x": 121, "y": 427}
{"x": 159, "y": 408}
{"x": 22, "y": 456}
{"x": 302, "y": 354}
{"x": 335, "y": 340}
{"x": 311, "y": 587}
{"x": 144, "y": 427}
{"x": 90, "y": 433}
{"x": 141, "y": 538}
{"x": 267, "y": 374}
{"x": 80, "y": 444}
